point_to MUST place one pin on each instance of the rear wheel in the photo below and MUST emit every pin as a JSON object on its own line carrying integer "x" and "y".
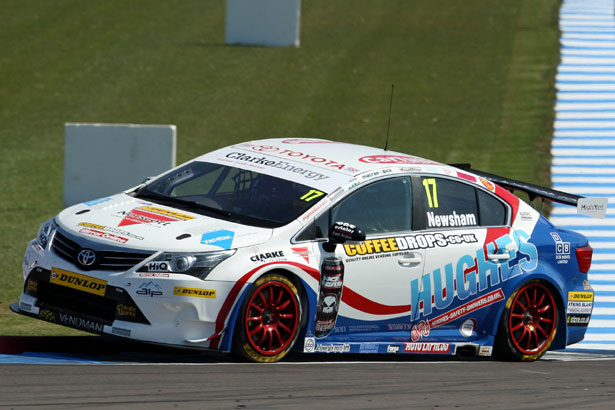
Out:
{"x": 269, "y": 320}
{"x": 528, "y": 324}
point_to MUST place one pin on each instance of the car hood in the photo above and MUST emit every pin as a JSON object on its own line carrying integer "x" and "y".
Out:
{"x": 124, "y": 221}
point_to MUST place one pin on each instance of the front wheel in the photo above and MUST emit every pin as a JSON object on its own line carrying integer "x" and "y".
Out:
{"x": 528, "y": 323}
{"x": 268, "y": 323}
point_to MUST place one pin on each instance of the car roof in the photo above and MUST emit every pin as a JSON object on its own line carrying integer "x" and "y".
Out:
{"x": 320, "y": 163}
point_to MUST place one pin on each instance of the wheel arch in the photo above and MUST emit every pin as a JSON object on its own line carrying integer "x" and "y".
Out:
{"x": 307, "y": 296}
{"x": 560, "y": 337}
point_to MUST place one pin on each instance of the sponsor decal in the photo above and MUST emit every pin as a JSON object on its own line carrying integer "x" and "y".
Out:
{"x": 303, "y": 252}
{"x": 323, "y": 326}
{"x": 580, "y": 307}
{"x": 151, "y": 215}
{"x": 125, "y": 310}
{"x": 562, "y": 249}
{"x": 581, "y": 296}
{"x": 409, "y": 242}
{"x": 392, "y": 349}
{"x": 268, "y": 256}
{"x": 487, "y": 184}
{"x": 200, "y": 293}
{"x": 167, "y": 212}
{"x": 485, "y": 350}
{"x": 472, "y": 274}
{"x": 153, "y": 275}
{"x": 467, "y": 308}
{"x": 595, "y": 207}
{"x": 427, "y": 348}
{"x": 368, "y": 348}
{"x": 419, "y": 330}
{"x": 103, "y": 235}
{"x": 525, "y": 216}
{"x": 96, "y": 201}
{"x": 309, "y": 345}
{"x": 467, "y": 328}
{"x": 111, "y": 229}
{"x": 307, "y": 141}
{"x": 77, "y": 281}
{"x": 333, "y": 348}
{"x": 302, "y": 156}
{"x": 158, "y": 266}
{"x": 315, "y": 209}
{"x": 396, "y": 159}
{"x": 578, "y": 320}
{"x": 333, "y": 281}
{"x": 120, "y": 331}
{"x": 150, "y": 289}
{"x": 80, "y": 323}
{"x": 283, "y": 165}
{"x": 222, "y": 239}
{"x": 32, "y": 287}
{"x": 398, "y": 326}
{"x": 453, "y": 220}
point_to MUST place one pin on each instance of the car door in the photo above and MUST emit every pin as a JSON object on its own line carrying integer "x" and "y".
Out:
{"x": 379, "y": 271}
{"x": 464, "y": 270}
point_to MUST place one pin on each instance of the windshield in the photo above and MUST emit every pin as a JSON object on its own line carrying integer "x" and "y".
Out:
{"x": 235, "y": 194}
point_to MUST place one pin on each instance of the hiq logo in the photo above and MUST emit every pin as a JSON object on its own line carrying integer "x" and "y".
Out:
{"x": 473, "y": 274}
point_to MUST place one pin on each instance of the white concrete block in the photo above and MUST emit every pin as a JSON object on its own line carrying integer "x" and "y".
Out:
{"x": 263, "y": 22}
{"x": 104, "y": 159}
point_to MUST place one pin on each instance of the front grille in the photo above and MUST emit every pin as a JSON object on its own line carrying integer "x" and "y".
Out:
{"x": 119, "y": 261}
{"x": 98, "y": 307}
{"x": 115, "y": 305}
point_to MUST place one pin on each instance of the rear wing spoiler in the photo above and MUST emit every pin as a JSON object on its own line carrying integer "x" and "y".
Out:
{"x": 594, "y": 207}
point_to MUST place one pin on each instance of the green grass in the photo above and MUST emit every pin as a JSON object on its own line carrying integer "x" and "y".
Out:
{"x": 473, "y": 83}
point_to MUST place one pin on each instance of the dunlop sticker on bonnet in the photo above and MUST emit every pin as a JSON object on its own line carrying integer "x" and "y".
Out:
{"x": 77, "y": 281}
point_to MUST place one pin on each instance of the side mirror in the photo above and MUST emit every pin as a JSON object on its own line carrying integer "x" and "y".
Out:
{"x": 341, "y": 232}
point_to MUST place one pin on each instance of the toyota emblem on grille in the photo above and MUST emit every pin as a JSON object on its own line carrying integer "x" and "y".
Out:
{"x": 86, "y": 257}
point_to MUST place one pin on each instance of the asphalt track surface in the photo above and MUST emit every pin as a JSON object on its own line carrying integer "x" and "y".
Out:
{"x": 92, "y": 372}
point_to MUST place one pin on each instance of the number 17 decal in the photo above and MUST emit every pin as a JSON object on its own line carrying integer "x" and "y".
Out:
{"x": 432, "y": 195}
{"x": 311, "y": 194}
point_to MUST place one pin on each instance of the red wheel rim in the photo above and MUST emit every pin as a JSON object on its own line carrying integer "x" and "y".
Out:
{"x": 272, "y": 316}
{"x": 533, "y": 318}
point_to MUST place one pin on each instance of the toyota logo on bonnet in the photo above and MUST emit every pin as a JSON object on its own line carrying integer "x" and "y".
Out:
{"x": 86, "y": 257}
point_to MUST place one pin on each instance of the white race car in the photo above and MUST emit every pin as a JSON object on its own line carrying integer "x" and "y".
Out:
{"x": 318, "y": 246}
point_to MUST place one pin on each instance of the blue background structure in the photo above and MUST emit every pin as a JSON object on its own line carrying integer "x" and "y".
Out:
{"x": 583, "y": 146}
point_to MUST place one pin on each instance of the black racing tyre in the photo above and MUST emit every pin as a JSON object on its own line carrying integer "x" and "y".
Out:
{"x": 528, "y": 324}
{"x": 269, "y": 320}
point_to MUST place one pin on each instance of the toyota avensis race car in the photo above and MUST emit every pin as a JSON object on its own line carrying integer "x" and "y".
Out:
{"x": 317, "y": 246}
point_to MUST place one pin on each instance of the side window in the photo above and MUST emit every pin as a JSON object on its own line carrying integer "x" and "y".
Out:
{"x": 492, "y": 211}
{"x": 447, "y": 203}
{"x": 382, "y": 206}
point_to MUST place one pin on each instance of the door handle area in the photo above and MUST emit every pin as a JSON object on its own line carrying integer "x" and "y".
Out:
{"x": 498, "y": 256}
{"x": 410, "y": 260}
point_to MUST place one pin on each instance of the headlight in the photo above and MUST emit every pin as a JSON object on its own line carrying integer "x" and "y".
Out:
{"x": 45, "y": 231}
{"x": 194, "y": 264}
